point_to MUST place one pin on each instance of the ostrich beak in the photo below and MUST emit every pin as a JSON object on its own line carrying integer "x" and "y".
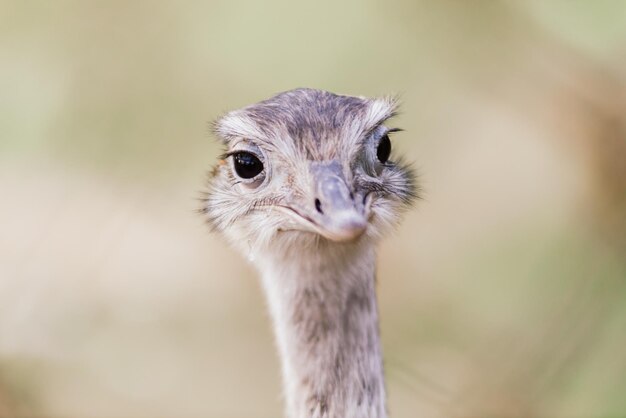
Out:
{"x": 337, "y": 213}
{"x": 334, "y": 211}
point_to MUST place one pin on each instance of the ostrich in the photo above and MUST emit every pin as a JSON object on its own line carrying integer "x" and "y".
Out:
{"x": 306, "y": 189}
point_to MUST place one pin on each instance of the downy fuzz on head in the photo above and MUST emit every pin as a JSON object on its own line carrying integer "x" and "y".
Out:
{"x": 307, "y": 169}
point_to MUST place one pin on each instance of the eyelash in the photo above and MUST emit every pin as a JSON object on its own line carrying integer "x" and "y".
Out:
{"x": 228, "y": 154}
{"x": 369, "y": 133}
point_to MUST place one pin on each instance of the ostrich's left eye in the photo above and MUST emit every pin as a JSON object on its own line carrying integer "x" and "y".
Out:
{"x": 247, "y": 165}
{"x": 384, "y": 149}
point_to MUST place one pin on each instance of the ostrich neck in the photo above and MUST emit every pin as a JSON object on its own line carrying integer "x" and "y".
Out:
{"x": 323, "y": 305}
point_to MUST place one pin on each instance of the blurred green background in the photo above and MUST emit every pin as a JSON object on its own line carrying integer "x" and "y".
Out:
{"x": 503, "y": 294}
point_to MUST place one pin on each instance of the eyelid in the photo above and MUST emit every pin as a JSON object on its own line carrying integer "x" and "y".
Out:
{"x": 377, "y": 133}
{"x": 237, "y": 151}
{"x": 381, "y": 129}
{"x": 388, "y": 132}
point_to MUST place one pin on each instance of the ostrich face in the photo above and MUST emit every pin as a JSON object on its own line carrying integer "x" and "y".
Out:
{"x": 307, "y": 167}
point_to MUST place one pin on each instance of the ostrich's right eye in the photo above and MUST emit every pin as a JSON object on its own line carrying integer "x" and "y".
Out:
{"x": 247, "y": 165}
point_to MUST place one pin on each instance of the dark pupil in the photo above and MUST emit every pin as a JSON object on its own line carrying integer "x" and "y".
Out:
{"x": 247, "y": 165}
{"x": 384, "y": 149}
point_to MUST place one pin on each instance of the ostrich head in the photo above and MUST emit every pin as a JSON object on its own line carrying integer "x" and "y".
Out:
{"x": 307, "y": 169}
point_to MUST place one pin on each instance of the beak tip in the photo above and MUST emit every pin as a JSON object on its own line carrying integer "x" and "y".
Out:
{"x": 346, "y": 229}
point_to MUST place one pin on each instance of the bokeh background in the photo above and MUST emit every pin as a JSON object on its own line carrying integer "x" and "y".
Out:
{"x": 503, "y": 294}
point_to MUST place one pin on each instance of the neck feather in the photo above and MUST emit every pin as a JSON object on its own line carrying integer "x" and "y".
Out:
{"x": 325, "y": 315}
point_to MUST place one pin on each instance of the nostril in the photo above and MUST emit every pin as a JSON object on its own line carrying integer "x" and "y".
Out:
{"x": 318, "y": 206}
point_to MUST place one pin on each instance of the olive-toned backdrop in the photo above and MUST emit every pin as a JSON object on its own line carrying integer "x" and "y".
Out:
{"x": 503, "y": 294}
